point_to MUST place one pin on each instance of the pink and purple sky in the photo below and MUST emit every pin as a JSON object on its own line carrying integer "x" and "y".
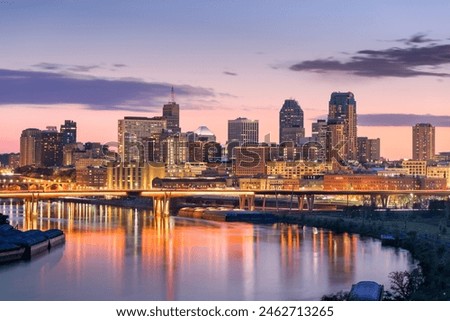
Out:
{"x": 97, "y": 61}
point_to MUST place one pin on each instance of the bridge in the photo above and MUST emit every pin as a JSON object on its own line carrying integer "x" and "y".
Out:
{"x": 25, "y": 183}
{"x": 161, "y": 198}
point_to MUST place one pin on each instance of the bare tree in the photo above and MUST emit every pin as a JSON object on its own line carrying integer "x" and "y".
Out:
{"x": 405, "y": 283}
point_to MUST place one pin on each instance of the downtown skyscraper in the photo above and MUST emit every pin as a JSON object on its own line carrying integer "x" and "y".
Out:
{"x": 68, "y": 132}
{"x": 30, "y": 147}
{"x": 243, "y": 131}
{"x": 171, "y": 112}
{"x": 342, "y": 110}
{"x": 291, "y": 122}
{"x": 423, "y": 142}
{"x": 138, "y": 137}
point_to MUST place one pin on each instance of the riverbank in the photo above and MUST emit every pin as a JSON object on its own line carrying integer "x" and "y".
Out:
{"x": 423, "y": 233}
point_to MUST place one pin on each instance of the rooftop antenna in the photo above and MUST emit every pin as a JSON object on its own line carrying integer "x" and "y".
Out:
{"x": 172, "y": 96}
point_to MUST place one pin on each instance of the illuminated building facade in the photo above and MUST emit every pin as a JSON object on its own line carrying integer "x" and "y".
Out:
{"x": 423, "y": 142}
{"x": 243, "y": 131}
{"x": 342, "y": 107}
{"x": 380, "y": 183}
{"x": 296, "y": 169}
{"x": 133, "y": 175}
{"x": 138, "y": 137}
{"x": 368, "y": 150}
{"x": 269, "y": 183}
{"x": 319, "y": 135}
{"x": 291, "y": 122}
{"x": 415, "y": 167}
{"x": 439, "y": 171}
{"x": 250, "y": 161}
{"x": 29, "y": 141}
{"x": 68, "y": 132}
{"x": 51, "y": 152}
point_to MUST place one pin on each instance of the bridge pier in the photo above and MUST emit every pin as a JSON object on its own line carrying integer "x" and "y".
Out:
{"x": 161, "y": 206}
{"x": 31, "y": 205}
{"x": 384, "y": 200}
{"x": 373, "y": 200}
{"x": 309, "y": 202}
{"x": 301, "y": 202}
{"x": 248, "y": 202}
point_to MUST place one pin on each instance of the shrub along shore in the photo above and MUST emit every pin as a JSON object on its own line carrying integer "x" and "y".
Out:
{"x": 424, "y": 233}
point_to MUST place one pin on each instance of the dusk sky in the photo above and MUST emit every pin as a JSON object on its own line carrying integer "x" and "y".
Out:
{"x": 95, "y": 62}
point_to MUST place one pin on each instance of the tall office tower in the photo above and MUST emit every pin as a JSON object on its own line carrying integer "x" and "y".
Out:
{"x": 319, "y": 135}
{"x": 51, "y": 153}
{"x": 171, "y": 112}
{"x": 423, "y": 139}
{"x": 139, "y": 137}
{"x": 291, "y": 122}
{"x": 362, "y": 147}
{"x": 68, "y": 132}
{"x": 343, "y": 107}
{"x": 29, "y": 140}
{"x": 243, "y": 130}
{"x": 374, "y": 149}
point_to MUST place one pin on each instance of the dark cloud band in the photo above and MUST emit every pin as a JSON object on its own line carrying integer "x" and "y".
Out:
{"x": 50, "y": 88}
{"x": 410, "y": 61}
{"x": 402, "y": 120}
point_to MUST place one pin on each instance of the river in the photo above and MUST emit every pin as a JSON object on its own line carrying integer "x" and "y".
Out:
{"x": 114, "y": 253}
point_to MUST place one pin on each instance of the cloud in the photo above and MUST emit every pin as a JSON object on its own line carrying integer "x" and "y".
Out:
{"x": 51, "y": 88}
{"x": 410, "y": 61}
{"x": 62, "y": 67}
{"x": 229, "y": 73}
{"x": 416, "y": 39}
{"x": 402, "y": 120}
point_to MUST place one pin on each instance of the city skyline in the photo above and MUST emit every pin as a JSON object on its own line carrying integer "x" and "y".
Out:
{"x": 88, "y": 61}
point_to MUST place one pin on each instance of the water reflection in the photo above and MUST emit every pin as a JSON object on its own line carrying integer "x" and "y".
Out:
{"x": 127, "y": 254}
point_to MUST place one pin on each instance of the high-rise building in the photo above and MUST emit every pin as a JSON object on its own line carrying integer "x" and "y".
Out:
{"x": 319, "y": 135}
{"x": 174, "y": 149}
{"x": 291, "y": 122}
{"x": 243, "y": 130}
{"x": 342, "y": 106}
{"x": 171, "y": 112}
{"x": 68, "y": 132}
{"x": 335, "y": 140}
{"x": 139, "y": 138}
{"x": 368, "y": 150}
{"x": 29, "y": 145}
{"x": 51, "y": 153}
{"x": 423, "y": 142}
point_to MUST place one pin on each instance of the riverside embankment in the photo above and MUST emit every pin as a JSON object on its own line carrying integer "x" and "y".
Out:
{"x": 422, "y": 232}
